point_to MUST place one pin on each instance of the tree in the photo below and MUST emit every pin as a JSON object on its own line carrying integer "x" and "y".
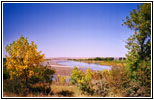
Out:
{"x": 5, "y": 72}
{"x": 139, "y": 44}
{"x": 22, "y": 58}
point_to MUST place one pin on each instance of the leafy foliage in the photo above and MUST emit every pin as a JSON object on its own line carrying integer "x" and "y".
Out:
{"x": 139, "y": 45}
{"x": 101, "y": 87}
{"x": 5, "y": 71}
{"x": 82, "y": 80}
{"x": 114, "y": 82}
{"x": 23, "y": 66}
{"x": 88, "y": 75}
{"x": 85, "y": 83}
{"x": 76, "y": 75}
{"x": 22, "y": 57}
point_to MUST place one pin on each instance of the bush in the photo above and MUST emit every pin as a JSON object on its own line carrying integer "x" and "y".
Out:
{"x": 114, "y": 82}
{"x": 76, "y": 75}
{"x": 101, "y": 88}
{"x": 88, "y": 76}
{"x": 15, "y": 86}
{"x": 40, "y": 88}
{"x": 82, "y": 80}
{"x": 42, "y": 76}
{"x": 97, "y": 75}
{"x": 62, "y": 79}
{"x": 136, "y": 90}
{"x": 85, "y": 88}
{"x": 118, "y": 79}
{"x": 85, "y": 83}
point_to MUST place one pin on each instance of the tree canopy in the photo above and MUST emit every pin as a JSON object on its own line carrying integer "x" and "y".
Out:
{"x": 22, "y": 56}
{"x": 139, "y": 45}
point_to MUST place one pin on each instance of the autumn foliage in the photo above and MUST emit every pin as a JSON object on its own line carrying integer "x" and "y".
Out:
{"x": 23, "y": 64}
{"x": 22, "y": 58}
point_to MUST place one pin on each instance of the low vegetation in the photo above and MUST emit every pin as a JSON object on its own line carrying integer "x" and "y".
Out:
{"x": 108, "y": 83}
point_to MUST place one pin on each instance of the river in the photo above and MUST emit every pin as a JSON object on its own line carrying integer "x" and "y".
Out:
{"x": 83, "y": 65}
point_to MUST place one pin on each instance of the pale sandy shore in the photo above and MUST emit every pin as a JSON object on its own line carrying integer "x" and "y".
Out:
{"x": 58, "y": 65}
{"x": 61, "y": 69}
{"x": 54, "y": 63}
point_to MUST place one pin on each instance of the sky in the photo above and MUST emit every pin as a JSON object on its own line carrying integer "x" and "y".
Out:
{"x": 69, "y": 29}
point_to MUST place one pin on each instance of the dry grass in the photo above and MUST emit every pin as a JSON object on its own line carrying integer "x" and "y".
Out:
{"x": 73, "y": 91}
{"x": 57, "y": 91}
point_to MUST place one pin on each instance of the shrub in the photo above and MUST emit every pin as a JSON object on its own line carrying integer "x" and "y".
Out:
{"x": 85, "y": 88}
{"x": 76, "y": 75}
{"x": 117, "y": 78}
{"x": 135, "y": 90}
{"x": 42, "y": 74}
{"x": 85, "y": 83}
{"x": 101, "y": 87}
{"x": 82, "y": 80}
{"x": 40, "y": 88}
{"x": 62, "y": 79}
{"x": 88, "y": 76}
{"x": 42, "y": 77}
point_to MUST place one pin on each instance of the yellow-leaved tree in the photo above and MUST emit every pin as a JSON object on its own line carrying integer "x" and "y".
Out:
{"x": 22, "y": 58}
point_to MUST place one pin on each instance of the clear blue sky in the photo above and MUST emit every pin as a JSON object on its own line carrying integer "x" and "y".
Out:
{"x": 69, "y": 30}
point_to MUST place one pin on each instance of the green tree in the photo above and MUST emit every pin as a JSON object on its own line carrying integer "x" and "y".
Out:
{"x": 139, "y": 44}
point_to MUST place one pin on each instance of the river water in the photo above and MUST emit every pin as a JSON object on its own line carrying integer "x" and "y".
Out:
{"x": 83, "y": 65}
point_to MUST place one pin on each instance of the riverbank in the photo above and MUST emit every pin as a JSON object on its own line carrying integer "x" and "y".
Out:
{"x": 113, "y": 63}
{"x": 79, "y": 64}
{"x": 62, "y": 69}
